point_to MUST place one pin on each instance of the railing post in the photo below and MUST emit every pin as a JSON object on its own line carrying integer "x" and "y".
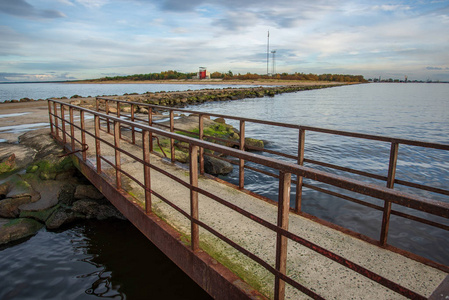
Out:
{"x": 193, "y": 150}
{"x": 83, "y": 134}
{"x": 97, "y": 102}
{"x": 72, "y": 129}
{"x": 107, "y": 112}
{"x": 172, "y": 140}
{"x": 64, "y": 137}
{"x": 201, "y": 137}
{"x": 50, "y": 118}
{"x": 150, "y": 123}
{"x": 133, "y": 129}
{"x": 118, "y": 174}
{"x": 298, "y": 199}
{"x": 281, "y": 240}
{"x": 97, "y": 143}
{"x": 55, "y": 110}
{"x": 118, "y": 116}
{"x": 390, "y": 184}
{"x": 242, "y": 161}
{"x": 146, "y": 169}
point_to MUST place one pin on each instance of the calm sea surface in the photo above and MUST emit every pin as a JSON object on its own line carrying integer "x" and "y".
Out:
{"x": 113, "y": 260}
{"x": 10, "y": 91}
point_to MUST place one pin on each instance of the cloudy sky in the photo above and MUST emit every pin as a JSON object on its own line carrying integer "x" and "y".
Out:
{"x": 80, "y": 39}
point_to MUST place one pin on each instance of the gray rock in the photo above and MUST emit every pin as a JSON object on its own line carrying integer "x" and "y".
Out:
{"x": 49, "y": 191}
{"x": 17, "y": 229}
{"x": 41, "y": 141}
{"x": 217, "y": 166}
{"x": 87, "y": 191}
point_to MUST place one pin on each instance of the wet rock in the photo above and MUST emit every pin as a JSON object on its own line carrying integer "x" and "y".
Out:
{"x": 62, "y": 216}
{"x": 249, "y": 142}
{"x": 17, "y": 229}
{"x": 217, "y": 166}
{"x": 87, "y": 191}
{"x": 95, "y": 210}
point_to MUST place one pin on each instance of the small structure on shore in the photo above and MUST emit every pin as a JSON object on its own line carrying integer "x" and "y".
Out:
{"x": 202, "y": 74}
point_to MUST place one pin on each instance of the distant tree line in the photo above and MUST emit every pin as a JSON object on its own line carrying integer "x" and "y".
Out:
{"x": 296, "y": 76}
{"x": 166, "y": 75}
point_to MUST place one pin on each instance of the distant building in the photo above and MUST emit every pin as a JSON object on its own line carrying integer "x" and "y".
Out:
{"x": 202, "y": 74}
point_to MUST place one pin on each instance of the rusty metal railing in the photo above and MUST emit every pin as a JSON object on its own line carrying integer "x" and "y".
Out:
{"x": 59, "y": 122}
{"x": 106, "y": 105}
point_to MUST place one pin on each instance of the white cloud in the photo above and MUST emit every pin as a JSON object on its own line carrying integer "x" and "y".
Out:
{"x": 92, "y": 3}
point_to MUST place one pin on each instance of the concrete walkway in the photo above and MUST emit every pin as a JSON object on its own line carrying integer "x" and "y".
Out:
{"x": 323, "y": 276}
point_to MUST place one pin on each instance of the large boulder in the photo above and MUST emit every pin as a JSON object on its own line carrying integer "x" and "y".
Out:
{"x": 217, "y": 166}
{"x": 17, "y": 229}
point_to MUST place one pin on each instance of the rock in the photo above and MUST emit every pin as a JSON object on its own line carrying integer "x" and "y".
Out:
{"x": 9, "y": 207}
{"x": 66, "y": 194}
{"x": 217, "y": 166}
{"x": 75, "y": 102}
{"x": 14, "y": 157}
{"x": 249, "y": 142}
{"x": 93, "y": 209}
{"x": 62, "y": 216}
{"x": 87, "y": 191}
{"x": 41, "y": 215}
{"x": 41, "y": 142}
{"x": 49, "y": 191}
{"x": 220, "y": 120}
{"x": 17, "y": 229}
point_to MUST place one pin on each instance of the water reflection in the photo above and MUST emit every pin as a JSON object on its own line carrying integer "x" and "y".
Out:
{"x": 94, "y": 259}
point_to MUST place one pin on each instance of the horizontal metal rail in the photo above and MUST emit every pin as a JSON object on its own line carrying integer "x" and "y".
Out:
{"x": 59, "y": 122}
{"x": 390, "y": 178}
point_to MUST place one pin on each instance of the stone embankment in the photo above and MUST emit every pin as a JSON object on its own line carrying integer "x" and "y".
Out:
{"x": 41, "y": 187}
{"x": 190, "y": 97}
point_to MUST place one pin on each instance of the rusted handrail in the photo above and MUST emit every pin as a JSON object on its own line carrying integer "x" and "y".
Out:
{"x": 390, "y": 179}
{"x": 285, "y": 169}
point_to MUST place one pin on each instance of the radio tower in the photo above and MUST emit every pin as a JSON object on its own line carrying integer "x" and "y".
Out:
{"x": 268, "y": 52}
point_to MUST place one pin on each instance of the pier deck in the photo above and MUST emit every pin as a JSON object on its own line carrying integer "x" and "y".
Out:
{"x": 187, "y": 215}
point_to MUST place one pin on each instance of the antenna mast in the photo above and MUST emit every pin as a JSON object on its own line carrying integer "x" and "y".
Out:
{"x": 268, "y": 52}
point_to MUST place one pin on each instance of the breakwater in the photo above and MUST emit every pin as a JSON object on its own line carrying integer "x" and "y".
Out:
{"x": 190, "y": 97}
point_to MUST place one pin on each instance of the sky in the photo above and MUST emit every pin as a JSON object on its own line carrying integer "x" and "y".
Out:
{"x": 83, "y": 39}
